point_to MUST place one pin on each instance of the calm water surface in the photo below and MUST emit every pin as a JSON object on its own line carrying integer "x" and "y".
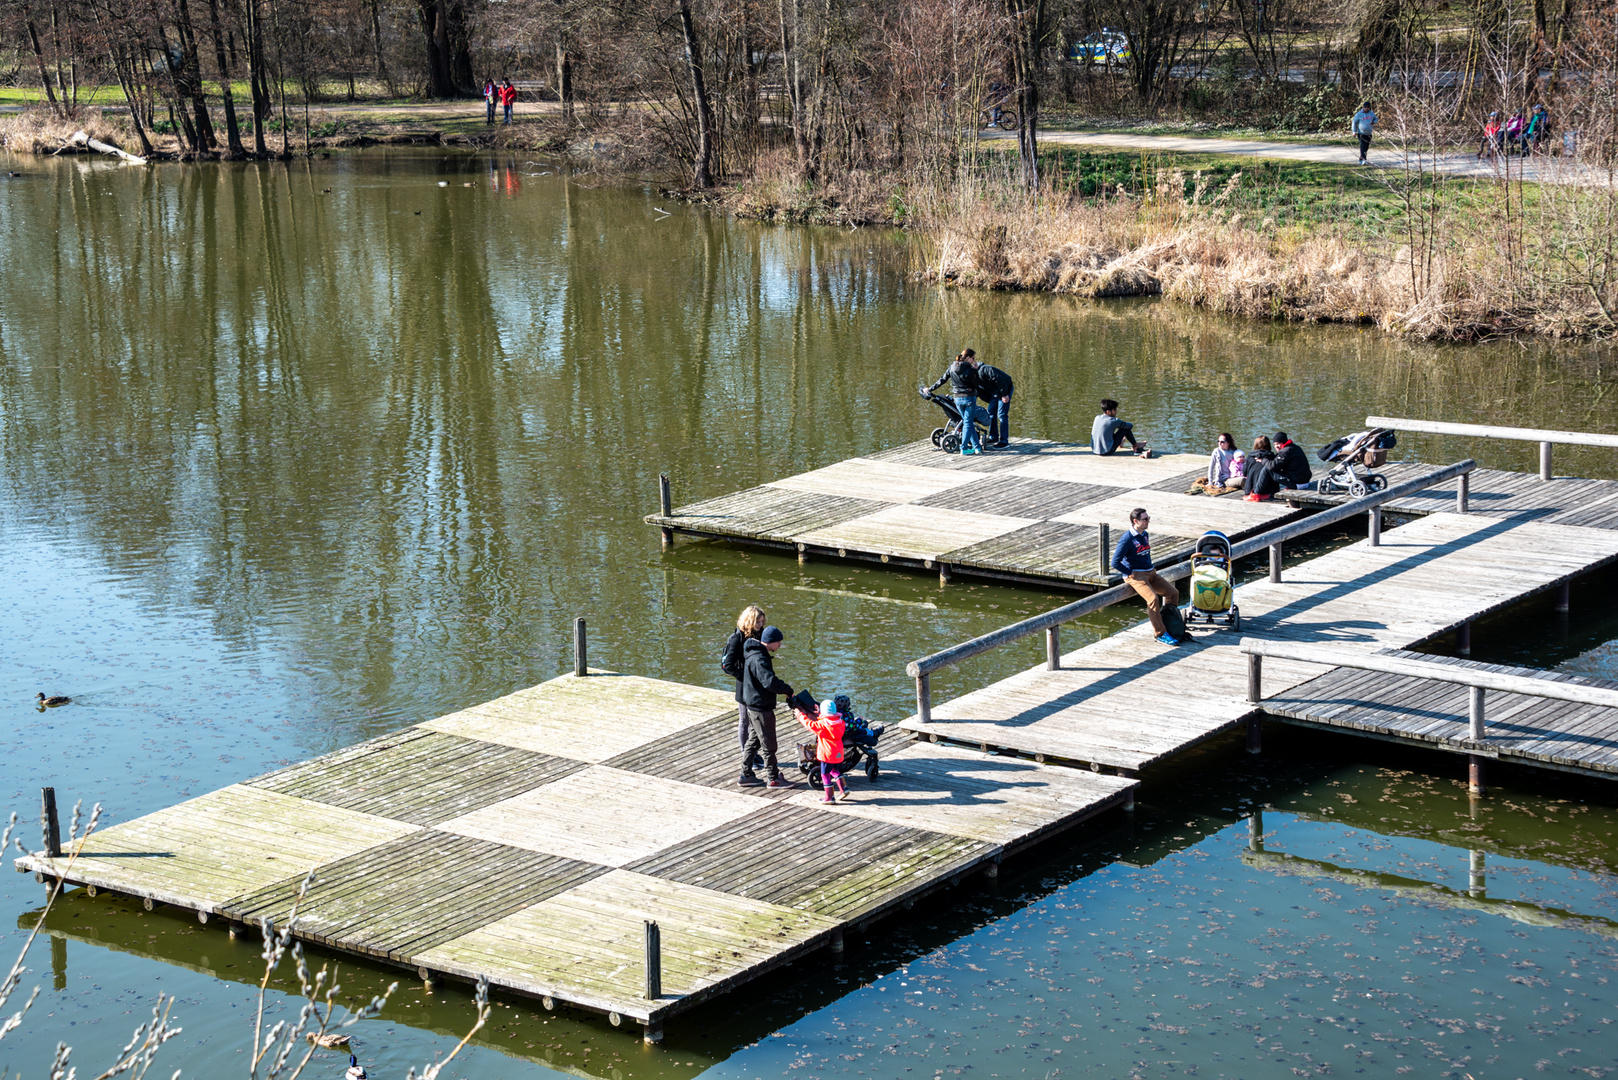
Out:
{"x": 290, "y": 457}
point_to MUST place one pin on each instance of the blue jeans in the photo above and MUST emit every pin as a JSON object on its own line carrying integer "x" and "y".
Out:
{"x": 968, "y": 408}
{"x": 999, "y": 420}
{"x": 508, "y": 112}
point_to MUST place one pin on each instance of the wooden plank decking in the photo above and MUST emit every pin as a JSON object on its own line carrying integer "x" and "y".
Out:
{"x": 1530, "y": 730}
{"x": 529, "y": 839}
{"x": 1028, "y": 513}
{"x": 1127, "y": 702}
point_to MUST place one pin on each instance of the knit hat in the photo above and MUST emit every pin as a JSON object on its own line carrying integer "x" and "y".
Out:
{"x": 828, "y": 708}
{"x": 771, "y": 635}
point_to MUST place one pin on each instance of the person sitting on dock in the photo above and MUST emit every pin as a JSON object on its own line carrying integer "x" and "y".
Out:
{"x": 1259, "y": 482}
{"x": 1292, "y": 464}
{"x": 1224, "y": 468}
{"x": 1107, "y": 432}
{"x": 1133, "y": 559}
{"x": 962, "y": 376}
{"x": 760, "y": 687}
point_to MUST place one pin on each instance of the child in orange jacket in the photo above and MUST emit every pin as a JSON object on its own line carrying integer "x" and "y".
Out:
{"x": 828, "y": 729}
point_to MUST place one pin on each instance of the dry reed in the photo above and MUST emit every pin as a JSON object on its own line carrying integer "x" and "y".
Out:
{"x": 41, "y": 131}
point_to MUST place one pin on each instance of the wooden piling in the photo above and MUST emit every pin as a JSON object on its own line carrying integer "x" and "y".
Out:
{"x": 1255, "y": 678}
{"x": 1463, "y": 493}
{"x": 1053, "y": 648}
{"x": 837, "y": 940}
{"x": 1463, "y": 639}
{"x": 1255, "y": 735}
{"x": 1563, "y": 598}
{"x": 653, "y": 1032}
{"x": 943, "y": 573}
{"x": 50, "y": 826}
{"x": 666, "y": 502}
{"x": 1545, "y": 460}
{"x": 1275, "y": 563}
{"x": 654, "y": 961}
{"x": 1474, "y": 775}
{"x": 1103, "y": 550}
{"x": 1374, "y": 526}
{"x": 581, "y": 650}
{"x": 924, "y": 699}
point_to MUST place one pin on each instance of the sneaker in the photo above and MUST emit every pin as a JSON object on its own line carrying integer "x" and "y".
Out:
{"x": 780, "y": 782}
{"x": 967, "y": 451}
{"x": 1167, "y": 639}
{"x": 749, "y": 780}
{"x": 1001, "y": 445}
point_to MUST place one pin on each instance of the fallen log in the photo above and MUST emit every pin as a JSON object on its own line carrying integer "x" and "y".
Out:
{"x": 79, "y": 138}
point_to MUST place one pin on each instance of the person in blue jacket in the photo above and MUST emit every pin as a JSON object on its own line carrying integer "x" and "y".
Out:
{"x": 1133, "y": 559}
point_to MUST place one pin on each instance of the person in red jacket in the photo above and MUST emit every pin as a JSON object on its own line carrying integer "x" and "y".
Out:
{"x": 828, "y": 729}
{"x": 508, "y": 94}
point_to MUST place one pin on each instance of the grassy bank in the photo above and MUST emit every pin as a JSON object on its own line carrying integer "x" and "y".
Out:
{"x": 1435, "y": 256}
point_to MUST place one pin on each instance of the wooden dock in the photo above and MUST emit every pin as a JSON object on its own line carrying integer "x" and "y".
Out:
{"x": 1126, "y": 703}
{"x": 532, "y": 838}
{"x": 1031, "y": 513}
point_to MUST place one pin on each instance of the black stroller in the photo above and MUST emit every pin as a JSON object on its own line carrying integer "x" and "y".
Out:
{"x": 1367, "y": 450}
{"x": 859, "y": 740}
{"x": 948, "y": 437}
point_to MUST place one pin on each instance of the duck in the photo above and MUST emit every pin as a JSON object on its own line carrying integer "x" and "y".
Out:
{"x": 54, "y": 700}
{"x": 325, "y": 191}
{"x": 355, "y": 1070}
{"x": 330, "y": 1040}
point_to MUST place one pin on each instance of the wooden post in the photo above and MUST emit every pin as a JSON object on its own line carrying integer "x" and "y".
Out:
{"x": 1053, "y": 648}
{"x": 50, "y": 827}
{"x": 1275, "y": 563}
{"x": 803, "y": 556}
{"x": 924, "y": 700}
{"x": 1544, "y": 461}
{"x": 1475, "y": 872}
{"x": 1129, "y": 801}
{"x": 1463, "y": 493}
{"x": 1255, "y": 735}
{"x": 654, "y": 961}
{"x": 1474, "y": 711}
{"x": 666, "y": 503}
{"x": 1255, "y": 678}
{"x": 1474, "y": 775}
{"x": 1374, "y": 527}
{"x": 1563, "y": 596}
{"x": 1104, "y": 549}
{"x": 1463, "y": 639}
{"x": 837, "y": 940}
{"x": 654, "y": 1031}
{"x": 943, "y": 573}
{"x": 581, "y": 654}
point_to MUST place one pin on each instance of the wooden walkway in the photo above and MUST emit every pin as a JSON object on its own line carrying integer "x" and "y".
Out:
{"x": 1126, "y": 702}
{"x": 1030, "y": 512}
{"x": 1493, "y": 493}
{"x": 1529, "y": 730}
{"x": 528, "y": 839}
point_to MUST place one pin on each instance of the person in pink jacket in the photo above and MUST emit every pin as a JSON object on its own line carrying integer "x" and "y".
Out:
{"x": 828, "y": 729}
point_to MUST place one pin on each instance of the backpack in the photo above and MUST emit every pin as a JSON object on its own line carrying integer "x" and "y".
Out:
{"x": 730, "y": 657}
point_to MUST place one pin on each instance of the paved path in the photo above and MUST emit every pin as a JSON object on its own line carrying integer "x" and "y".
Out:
{"x": 1548, "y": 170}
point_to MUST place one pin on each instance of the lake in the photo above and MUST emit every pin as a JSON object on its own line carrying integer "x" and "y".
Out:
{"x": 292, "y": 455}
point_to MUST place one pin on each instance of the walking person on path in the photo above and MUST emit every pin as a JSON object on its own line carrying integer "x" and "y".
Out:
{"x": 508, "y": 95}
{"x": 962, "y": 376}
{"x": 1364, "y": 121}
{"x": 996, "y": 388}
{"x": 1491, "y": 137}
{"x": 760, "y": 688}
{"x": 1514, "y": 133}
{"x": 489, "y": 93}
{"x": 1539, "y": 125}
{"x": 749, "y": 625}
{"x": 1133, "y": 559}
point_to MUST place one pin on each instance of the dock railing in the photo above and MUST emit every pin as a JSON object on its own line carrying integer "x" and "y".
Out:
{"x": 1546, "y": 438}
{"x": 1478, "y": 681}
{"x": 1050, "y": 622}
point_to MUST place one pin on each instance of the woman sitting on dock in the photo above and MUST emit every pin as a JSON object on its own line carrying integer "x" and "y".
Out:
{"x": 1259, "y": 482}
{"x": 1224, "y": 468}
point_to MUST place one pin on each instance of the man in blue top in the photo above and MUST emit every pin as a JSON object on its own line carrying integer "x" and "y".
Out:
{"x": 1363, "y": 122}
{"x": 996, "y": 387}
{"x": 1107, "y": 431}
{"x": 1133, "y": 559}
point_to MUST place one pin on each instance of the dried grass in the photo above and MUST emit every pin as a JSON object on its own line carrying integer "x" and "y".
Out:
{"x": 40, "y": 131}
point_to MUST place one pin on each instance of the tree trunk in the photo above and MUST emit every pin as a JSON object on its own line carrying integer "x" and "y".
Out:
{"x": 125, "y": 69}
{"x": 191, "y": 68}
{"x": 564, "y": 77}
{"x": 701, "y": 177}
{"x": 256, "y": 82}
{"x": 233, "y": 133}
{"x": 39, "y": 58}
{"x": 435, "y": 35}
{"x": 376, "y": 43}
{"x": 792, "y": 76}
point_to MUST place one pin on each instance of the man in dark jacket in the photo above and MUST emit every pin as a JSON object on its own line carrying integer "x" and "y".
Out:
{"x": 995, "y": 386}
{"x": 962, "y": 376}
{"x": 1133, "y": 559}
{"x": 1292, "y": 464}
{"x": 760, "y": 687}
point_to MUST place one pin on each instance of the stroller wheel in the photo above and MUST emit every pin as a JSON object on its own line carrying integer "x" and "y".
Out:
{"x": 951, "y": 443}
{"x": 938, "y": 436}
{"x": 1235, "y": 618}
{"x": 1357, "y": 489}
{"x": 872, "y": 769}
{"x": 1377, "y": 481}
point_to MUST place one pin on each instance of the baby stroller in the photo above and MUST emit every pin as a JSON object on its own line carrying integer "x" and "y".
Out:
{"x": 859, "y": 740}
{"x": 1212, "y": 592}
{"x": 1367, "y": 450}
{"x": 948, "y": 437}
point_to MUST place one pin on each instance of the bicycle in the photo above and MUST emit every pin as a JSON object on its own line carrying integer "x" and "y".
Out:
{"x": 1006, "y": 122}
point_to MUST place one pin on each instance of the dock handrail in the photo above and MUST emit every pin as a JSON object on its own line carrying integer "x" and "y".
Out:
{"x": 922, "y": 669}
{"x": 1545, "y": 437}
